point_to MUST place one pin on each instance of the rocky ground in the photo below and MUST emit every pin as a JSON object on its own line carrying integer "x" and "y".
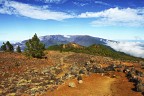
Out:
{"x": 69, "y": 74}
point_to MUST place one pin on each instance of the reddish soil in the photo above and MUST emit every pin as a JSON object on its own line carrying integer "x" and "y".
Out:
{"x": 93, "y": 85}
{"x": 122, "y": 87}
{"x": 97, "y": 85}
{"x": 15, "y": 62}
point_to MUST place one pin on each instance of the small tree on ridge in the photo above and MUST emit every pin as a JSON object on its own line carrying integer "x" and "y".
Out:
{"x": 18, "y": 49}
{"x": 3, "y": 47}
{"x": 34, "y": 48}
{"x": 7, "y": 47}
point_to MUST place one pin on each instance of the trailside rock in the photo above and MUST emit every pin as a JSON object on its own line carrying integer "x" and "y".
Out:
{"x": 139, "y": 88}
{"x": 72, "y": 84}
{"x": 80, "y": 81}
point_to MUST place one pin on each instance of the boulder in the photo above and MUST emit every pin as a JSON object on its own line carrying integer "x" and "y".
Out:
{"x": 81, "y": 71}
{"x": 79, "y": 77}
{"x": 139, "y": 88}
{"x": 72, "y": 84}
{"x": 80, "y": 81}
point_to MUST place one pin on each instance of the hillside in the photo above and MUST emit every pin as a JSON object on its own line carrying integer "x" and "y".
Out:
{"x": 22, "y": 76}
{"x": 96, "y": 49}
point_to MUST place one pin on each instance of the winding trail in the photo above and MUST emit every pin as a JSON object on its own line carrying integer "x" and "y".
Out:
{"x": 93, "y": 85}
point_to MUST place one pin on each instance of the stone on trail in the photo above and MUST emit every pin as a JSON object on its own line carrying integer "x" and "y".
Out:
{"x": 72, "y": 84}
{"x": 80, "y": 81}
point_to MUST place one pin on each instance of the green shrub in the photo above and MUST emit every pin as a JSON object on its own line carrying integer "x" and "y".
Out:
{"x": 34, "y": 48}
{"x": 18, "y": 49}
{"x": 7, "y": 47}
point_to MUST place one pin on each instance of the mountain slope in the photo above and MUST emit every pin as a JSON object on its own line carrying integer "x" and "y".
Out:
{"x": 88, "y": 40}
{"x": 95, "y": 49}
{"x": 83, "y": 40}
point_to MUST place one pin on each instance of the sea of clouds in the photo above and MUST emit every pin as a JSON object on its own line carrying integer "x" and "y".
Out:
{"x": 132, "y": 48}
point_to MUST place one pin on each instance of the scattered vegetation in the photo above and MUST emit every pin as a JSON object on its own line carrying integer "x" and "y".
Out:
{"x": 3, "y": 47}
{"x": 18, "y": 49}
{"x": 7, "y": 47}
{"x": 34, "y": 48}
{"x": 96, "y": 49}
{"x": 18, "y": 74}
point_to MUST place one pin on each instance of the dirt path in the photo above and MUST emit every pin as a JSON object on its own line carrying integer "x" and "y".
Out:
{"x": 93, "y": 85}
{"x": 97, "y": 85}
{"x": 122, "y": 87}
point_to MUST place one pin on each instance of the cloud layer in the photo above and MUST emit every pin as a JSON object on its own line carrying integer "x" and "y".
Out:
{"x": 132, "y": 48}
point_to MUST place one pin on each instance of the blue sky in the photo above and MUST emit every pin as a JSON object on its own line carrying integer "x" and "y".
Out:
{"x": 110, "y": 19}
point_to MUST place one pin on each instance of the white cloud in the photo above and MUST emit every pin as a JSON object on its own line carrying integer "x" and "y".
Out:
{"x": 109, "y": 17}
{"x": 80, "y": 4}
{"x": 132, "y": 48}
{"x": 116, "y": 17}
{"x": 102, "y": 3}
{"x": 52, "y": 1}
{"x": 35, "y": 12}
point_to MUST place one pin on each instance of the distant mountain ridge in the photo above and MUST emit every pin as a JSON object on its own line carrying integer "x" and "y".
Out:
{"x": 84, "y": 40}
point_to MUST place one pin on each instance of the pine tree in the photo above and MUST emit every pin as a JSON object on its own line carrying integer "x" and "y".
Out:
{"x": 3, "y": 47}
{"x": 9, "y": 47}
{"x": 18, "y": 49}
{"x": 34, "y": 48}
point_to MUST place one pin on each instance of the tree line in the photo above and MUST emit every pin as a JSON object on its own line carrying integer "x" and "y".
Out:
{"x": 34, "y": 48}
{"x": 8, "y": 47}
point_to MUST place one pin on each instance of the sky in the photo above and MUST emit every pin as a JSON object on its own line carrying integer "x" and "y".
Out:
{"x": 109, "y": 19}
